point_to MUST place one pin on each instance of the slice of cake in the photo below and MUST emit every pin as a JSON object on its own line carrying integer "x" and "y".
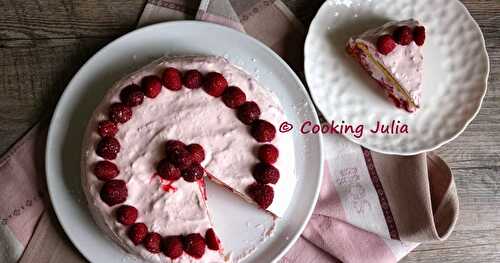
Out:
{"x": 392, "y": 55}
{"x": 159, "y": 133}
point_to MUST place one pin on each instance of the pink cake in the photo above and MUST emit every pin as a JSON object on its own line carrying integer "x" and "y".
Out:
{"x": 160, "y": 132}
{"x": 392, "y": 55}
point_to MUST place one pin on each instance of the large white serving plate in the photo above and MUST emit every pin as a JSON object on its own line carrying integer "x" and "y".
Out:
{"x": 456, "y": 70}
{"x": 131, "y": 52}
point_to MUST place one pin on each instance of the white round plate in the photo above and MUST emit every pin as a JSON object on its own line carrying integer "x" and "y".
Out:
{"x": 455, "y": 73}
{"x": 131, "y": 52}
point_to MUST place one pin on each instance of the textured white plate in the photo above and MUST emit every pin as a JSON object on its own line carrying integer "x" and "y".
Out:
{"x": 456, "y": 70}
{"x": 131, "y": 52}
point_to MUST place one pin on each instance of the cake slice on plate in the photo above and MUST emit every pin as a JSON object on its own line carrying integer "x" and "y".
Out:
{"x": 392, "y": 55}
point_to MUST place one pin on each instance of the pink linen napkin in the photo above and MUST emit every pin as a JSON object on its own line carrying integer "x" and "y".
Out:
{"x": 372, "y": 207}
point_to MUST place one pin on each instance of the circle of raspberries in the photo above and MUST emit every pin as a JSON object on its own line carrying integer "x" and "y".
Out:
{"x": 108, "y": 148}
{"x": 193, "y": 173}
{"x": 197, "y": 152}
{"x": 268, "y": 153}
{"x": 152, "y": 242}
{"x": 233, "y": 97}
{"x": 248, "y": 112}
{"x": 180, "y": 158}
{"x": 172, "y": 79}
{"x": 192, "y": 79}
{"x": 168, "y": 171}
{"x": 263, "y": 131}
{"x": 132, "y": 95}
{"x": 137, "y": 233}
{"x": 211, "y": 239}
{"x": 419, "y": 35}
{"x": 106, "y": 170}
{"x": 403, "y": 35}
{"x": 172, "y": 246}
{"x": 126, "y": 214}
{"x": 262, "y": 194}
{"x": 107, "y": 128}
{"x": 114, "y": 192}
{"x": 265, "y": 173}
{"x": 151, "y": 86}
{"x": 194, "y": 245}
{"x": 120, "y": 113}
{"x": 214, "y": 84}
{"x": 171, "y": 145}
{"x": 385, "y": 44}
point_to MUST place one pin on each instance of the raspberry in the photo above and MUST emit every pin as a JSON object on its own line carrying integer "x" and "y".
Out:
{"x": 172, "y": 247}
{"x": 108, "y": 148}
{"x": 132, "y": 95}
{"x": 194, "y": 245}
{"x": 168, "y": 171}
{"x": 172, "y": 79}
{"x": 107, "y": 128}
{"x": 151, "y": 86}
{"x": 265, "y": 173}
{"x": 193, "y": 173}
{"x": 120, "y": 113}
{"x": 262, "y": 194}
{"x": 419, "y": 35}
{"x": 233, "y": 97}
{"x": 263, "y": 131}
{"x": 180, "y": 158}
{"x": 385, "y": 44}
{"x": 197, "y": 152}
{"x": 212, "y": 240}
{"x": 268, "y": 153}
{"x": 214, "y": 84}
{"x": 114, "y": 192}
{"x": 403, "y": 35}
{"x": 137, "y": 233}
{"x": 126, "y": 214}
{"x": 171, "y": 145}
{"x": 248, "y": 112}
{"x": 106, "y": 170}
{"x": 152, "y": 242}
{"x": 192, "y": 79}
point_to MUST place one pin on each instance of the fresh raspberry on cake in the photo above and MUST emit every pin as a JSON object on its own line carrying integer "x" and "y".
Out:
{"x": 403, "y": 35}
{"x": 108, "y": 148}
{"x": 248, "y": 112}
{"x": 171, "y": 145}
{"x": 106, "y": 170}
{"x": 265, "y": 173}
{"x": 172, "y": 247}
{"x": 193, "y": 79}
{"x": 263, "y": 131}
{"x": 233, "y": 97}
{"x": 120, "y": 113}
{"x": 262, "y": 194}
{"x": 211, "y": 239}
{"x": 114, "y": 192}
{"x": 193, "y": 173}
{"x": 168, "y": 171}
{"x": 126, "y": 214}
{"x": 107, "y": 128}
{"x": 180, "y": 158}
{"x": 386, "y": 44}
{"x": 132, "y": 95}
{"x": 152, "y": 242}
{"x": 137, "y": 233}
{"x": 151, "y": 86}
{"x": 172, "y": 79}
{"x": 214, "y": 84}
{"x": 419, "y": 35}
{"x": 268, "y": 153}
{"x": 197, "y": 152}
{"x": 194, "y": 245}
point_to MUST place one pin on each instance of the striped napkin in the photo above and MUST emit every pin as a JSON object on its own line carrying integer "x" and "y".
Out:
{"x": 372, "y": 207}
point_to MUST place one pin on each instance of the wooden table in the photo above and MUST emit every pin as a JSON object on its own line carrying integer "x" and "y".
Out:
{"x": 43, "y": 43}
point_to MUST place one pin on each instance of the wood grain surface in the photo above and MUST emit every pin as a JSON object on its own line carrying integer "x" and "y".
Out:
{"x": 43, "y": 43}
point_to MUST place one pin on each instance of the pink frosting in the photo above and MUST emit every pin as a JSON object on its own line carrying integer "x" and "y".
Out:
{"x": 191, "y": 116}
